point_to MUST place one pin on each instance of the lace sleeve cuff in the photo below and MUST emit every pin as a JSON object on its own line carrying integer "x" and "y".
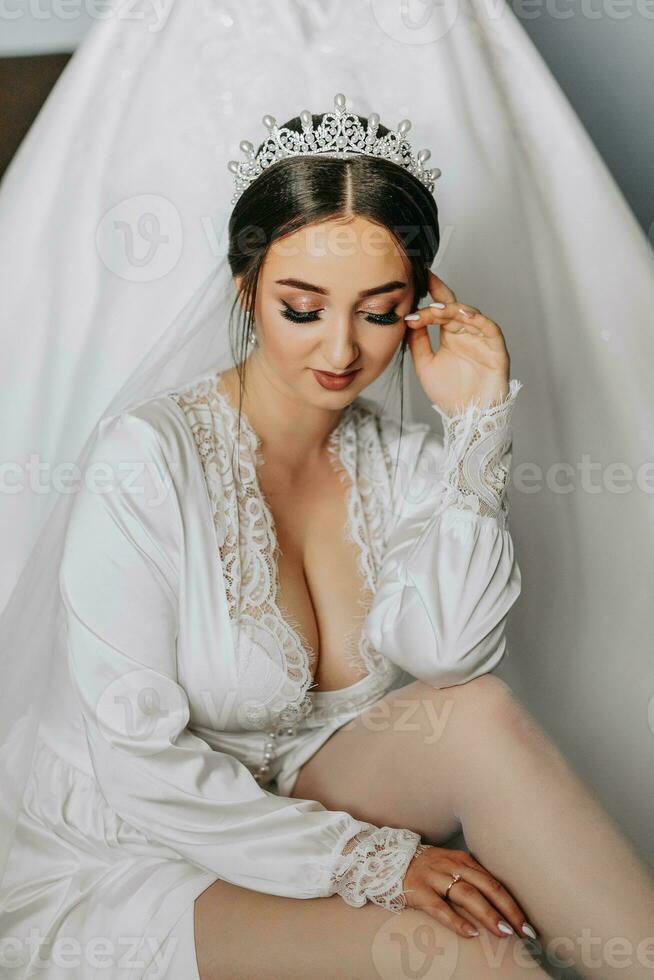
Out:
{"x": 477, "y": 444}
{"x": 372, "y": 866}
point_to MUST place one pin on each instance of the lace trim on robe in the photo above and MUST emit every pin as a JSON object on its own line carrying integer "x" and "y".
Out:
{"x": 360, "y": 454}
{"x": 373, "y": 866}
{"x": 354, "y": 449}
{"x": 365, "y": 511}
{"x": 248, "y": 556}
{"x": 477, "y": 463}
{"x": 249, "y": 553}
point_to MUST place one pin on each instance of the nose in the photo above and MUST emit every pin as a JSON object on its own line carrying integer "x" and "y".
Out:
{"x": 339, "y": 347}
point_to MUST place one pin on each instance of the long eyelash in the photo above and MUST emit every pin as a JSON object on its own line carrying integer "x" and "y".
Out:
{"x": 310, "y": 316}
{"x": 298, "y": 316}
{"x": 384, "y": 318}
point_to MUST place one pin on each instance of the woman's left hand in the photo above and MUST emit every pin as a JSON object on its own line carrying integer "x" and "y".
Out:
{"x": 472, "y": 361}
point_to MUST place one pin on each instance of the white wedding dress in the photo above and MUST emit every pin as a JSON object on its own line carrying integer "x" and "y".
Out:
{"x": 180, "y": 707}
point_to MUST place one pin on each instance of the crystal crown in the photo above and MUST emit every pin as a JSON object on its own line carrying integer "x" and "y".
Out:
{"x": 339, "y": 134}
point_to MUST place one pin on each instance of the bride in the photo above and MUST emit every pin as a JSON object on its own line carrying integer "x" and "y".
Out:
{"x": 256, "y": 565}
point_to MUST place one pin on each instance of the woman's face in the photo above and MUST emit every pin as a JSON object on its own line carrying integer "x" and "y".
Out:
{"x": 329, "y": 311}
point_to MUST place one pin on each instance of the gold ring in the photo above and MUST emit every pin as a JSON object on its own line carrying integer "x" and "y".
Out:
{"x": 455, "y": 877}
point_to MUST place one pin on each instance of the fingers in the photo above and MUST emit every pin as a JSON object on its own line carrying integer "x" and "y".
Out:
{"x": 476, "y": 892}
{"x": 455, "y": 318}
{"x": 470, "y": 898}
{"x": 420, "y": 346}
{"x": 428, "y": 901}
{"x": 486, "y": 897}
{"x": 439, "y": 290}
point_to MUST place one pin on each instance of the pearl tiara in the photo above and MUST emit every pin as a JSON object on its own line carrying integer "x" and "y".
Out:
{"x": 339, "y": 134}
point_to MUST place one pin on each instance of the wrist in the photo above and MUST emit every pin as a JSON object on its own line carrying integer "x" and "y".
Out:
{"x": 481, "y": 405}
{"x": 477, "y": 445}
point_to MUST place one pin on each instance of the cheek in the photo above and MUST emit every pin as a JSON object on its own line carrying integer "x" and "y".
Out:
{"x": 381, "y": 345}
{"x": 286, "y": 342}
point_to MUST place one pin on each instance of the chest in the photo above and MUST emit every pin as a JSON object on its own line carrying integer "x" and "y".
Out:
{"x": 298, "y": 565}
{"x": 321, "y": 584}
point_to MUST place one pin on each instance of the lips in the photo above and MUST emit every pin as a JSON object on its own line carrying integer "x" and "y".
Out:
{"x": 334, "y": 382}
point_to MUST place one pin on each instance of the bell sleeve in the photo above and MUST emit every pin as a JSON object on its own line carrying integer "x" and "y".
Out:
{"x": 119, "y": 582}
{"x": 449, "y": 575}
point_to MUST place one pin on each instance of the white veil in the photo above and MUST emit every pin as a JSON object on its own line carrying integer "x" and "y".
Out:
{"x": 116, "y": 287}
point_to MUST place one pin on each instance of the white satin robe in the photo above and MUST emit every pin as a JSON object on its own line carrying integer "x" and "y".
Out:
{"x": 145, "y": 786}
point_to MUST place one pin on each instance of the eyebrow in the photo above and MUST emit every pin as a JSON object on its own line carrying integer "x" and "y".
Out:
{"x": 386, "y": 287}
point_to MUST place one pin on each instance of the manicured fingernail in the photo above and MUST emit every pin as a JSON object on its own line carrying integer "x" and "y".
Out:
{"x": 528, "y": 930}
{"x": 470, "y": 931}
{"x": 466, "y": 312}
{"x": 505, "y": 927}
{"x": 439, "y": 306}
{"x": 412, "y": 316}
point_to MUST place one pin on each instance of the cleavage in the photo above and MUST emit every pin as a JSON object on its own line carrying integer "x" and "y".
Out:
{"x": 320, "y": 589}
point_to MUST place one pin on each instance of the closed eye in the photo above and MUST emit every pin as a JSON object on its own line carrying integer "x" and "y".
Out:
{"x": 310, "y": 316}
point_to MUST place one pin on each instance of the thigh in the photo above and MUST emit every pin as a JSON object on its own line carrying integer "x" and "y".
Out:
{"x": 402, "y": 762}
{"x": 246, "y": 935}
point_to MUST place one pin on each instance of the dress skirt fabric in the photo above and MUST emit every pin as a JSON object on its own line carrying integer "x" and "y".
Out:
{"x": 86, "y": 894}
{"x": 101, "y": 897}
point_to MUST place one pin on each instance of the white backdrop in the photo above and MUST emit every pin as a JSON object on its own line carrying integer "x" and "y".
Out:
{"x": 99, "y": 250}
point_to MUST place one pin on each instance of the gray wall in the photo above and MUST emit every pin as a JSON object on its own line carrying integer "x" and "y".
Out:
{"x": 602, "y": 54}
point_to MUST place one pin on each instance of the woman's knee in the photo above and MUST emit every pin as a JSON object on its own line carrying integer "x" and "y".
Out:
{"x": 488, "y": 691}
{"x": 484, "y": 695}
{"x": 495, "y": 701}
{"x": 484, "y": 704}
{"x": 498, "y": 710}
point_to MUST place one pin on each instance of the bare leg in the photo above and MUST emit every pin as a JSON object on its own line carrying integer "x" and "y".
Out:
{"x": 473, "y": 753}
{"x": 245, "y": 935}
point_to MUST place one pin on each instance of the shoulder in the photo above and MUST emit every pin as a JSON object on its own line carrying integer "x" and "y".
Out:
{"x": 159, "y": 427}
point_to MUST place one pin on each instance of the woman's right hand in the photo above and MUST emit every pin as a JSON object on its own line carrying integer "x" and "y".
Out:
{"x": 477, "y": 892}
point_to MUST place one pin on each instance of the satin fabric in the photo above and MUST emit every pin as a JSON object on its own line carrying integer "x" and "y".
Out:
{"x": 130, "y": 813}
